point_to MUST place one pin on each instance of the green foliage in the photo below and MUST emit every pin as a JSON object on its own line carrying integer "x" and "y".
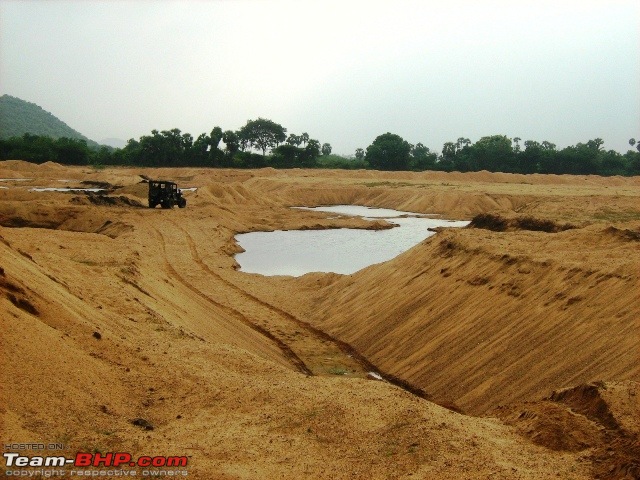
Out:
{"x": 312, "y": 149}
{"x": 389, "y": 152}
{"x": 263, "y": 134}
{"x": 493, "y": 153}
{"x": 338, "y": 162}
{"x": 295, "y": 140}
{"x": 55, "y": 141}
{"x": 248, "y": 160}
{"x": 232, "y": 142}
{"x": 497, "y": 154}
{"x": 39, "y": 149}
{"x": 18, "y": 117}
{"x": 422, "y": 158}
{"x": 286, "y": 156}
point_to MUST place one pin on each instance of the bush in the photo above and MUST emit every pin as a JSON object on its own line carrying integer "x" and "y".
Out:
{"x": 489, "y": 221}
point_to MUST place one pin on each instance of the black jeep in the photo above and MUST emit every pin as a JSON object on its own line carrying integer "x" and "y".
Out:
{"x": 165, "y": 194}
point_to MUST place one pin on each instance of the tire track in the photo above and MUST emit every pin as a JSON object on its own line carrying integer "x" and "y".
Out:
{"x": 344, "y": 347}
{"x": 284, "y": 347}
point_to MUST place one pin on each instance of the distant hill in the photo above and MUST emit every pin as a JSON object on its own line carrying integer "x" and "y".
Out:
{"x": 114, "y": 142}
{"x": 18, "y": 117}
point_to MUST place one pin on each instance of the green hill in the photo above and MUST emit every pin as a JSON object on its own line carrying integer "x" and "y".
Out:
{"x": 18, "y": 117}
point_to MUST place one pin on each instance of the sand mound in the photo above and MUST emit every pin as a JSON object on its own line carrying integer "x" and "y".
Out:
{"x": 586, "y": 400}
{"x": 588, "y": 416}
{"x": 106, "y": 200}
{"x": 17, "y": 166}
{"x": 73, "y": 219}
{"x": 139, "y": 190}
{"x": 625, "y": 234}
{"x": 51, "y": 166}
{"x": 497, "y": 223}
{"x": 227, "y": 194}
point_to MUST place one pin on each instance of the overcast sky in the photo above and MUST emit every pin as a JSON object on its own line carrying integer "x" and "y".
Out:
{"x": 344, "y": 71}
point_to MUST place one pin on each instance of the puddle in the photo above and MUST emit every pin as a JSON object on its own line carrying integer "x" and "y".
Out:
{"x": 366, "y": 212}
{"x": 344, "y": 250}
{"x": 64, "y": 189}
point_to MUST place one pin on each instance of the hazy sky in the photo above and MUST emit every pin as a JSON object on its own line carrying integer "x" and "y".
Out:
{"x": 344, "y": 71}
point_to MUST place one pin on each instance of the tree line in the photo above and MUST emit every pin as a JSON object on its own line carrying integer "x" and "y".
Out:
{"x": 264, "y": 143}
{"x": 498, "y": 153}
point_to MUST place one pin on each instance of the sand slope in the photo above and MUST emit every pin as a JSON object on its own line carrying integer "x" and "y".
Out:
{"x": 480, "y": 318}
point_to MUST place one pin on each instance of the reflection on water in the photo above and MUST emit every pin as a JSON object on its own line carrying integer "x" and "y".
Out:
{"x": 344, "y": 250}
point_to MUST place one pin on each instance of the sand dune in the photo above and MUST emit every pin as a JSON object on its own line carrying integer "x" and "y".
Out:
{"x": 112, "y": 312}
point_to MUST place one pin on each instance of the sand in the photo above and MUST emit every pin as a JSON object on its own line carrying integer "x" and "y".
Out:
{"x": 518, "y": 351}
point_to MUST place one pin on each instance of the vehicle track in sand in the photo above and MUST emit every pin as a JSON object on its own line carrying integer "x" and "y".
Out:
{"x": 319, "y": 352}
{"x": 296, "y": 361}
{"x": 322, "y": 353}
{"x": 309, "y": 350}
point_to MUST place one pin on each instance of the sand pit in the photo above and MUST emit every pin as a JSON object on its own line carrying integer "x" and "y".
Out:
{"x": 116, "y": 317}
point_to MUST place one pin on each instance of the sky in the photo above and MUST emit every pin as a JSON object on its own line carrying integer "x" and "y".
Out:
{"x": 343, "y": 71}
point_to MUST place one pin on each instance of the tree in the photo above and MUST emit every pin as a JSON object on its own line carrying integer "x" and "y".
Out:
{"x": 215, "y": 154}
{"x": 359, "y": 153}
{"x": 304, "y": 138}
{"x": 263, "y": 134}
{"x": 448, "y": 157}
{"x": 596, "y": 144}
{"x": 612, "y": 163}
{"x": 326, "y": 149}
{"x": 581, "y": 159}
{"x": 200, "y": 150}
{"x": 494, "y": 153}
{"x": 286, "y": 156}
{"x": 632, "y": 142}
{"x": 461, "y": 143}
{"x": 215, "y": 137}
{"x": 548, "y": 159}
{"x": 71, "y": 151}
{"x": 294, "y": 140}
{"x": 422, "y": 158}
{"x": 309, "y": 157}
{"x": 462, "y": 157}
{"x": 389, "y": 152}
{"x": 516, "y": 140}
{"x": 632, "y": 161}
{"x": 529, "y": 159}
{"x": 313, "y": 147}
{"x": 231, "y": 142}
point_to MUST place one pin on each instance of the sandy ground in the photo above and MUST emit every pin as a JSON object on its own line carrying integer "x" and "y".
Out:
{"x": 510, "y": 354}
